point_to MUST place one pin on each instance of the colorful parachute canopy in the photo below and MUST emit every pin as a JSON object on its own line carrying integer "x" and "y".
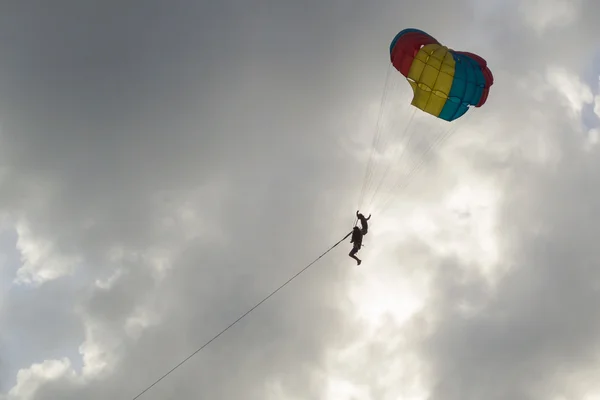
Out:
{"x": 445, "y": 82}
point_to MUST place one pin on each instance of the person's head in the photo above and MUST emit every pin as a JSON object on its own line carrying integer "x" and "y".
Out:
{"x": 356, "y": 229}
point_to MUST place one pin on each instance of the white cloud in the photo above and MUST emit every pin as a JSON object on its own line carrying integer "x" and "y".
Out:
{"x": 571, "y": 87}
{"x": 543, "y": 15}
{"x": 597, "y": 103}
{"x": 30, "y": 380}
{"x": 42, "y": 262}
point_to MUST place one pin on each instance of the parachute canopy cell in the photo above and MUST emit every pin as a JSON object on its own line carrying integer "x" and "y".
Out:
{"x": 445, "y": 82}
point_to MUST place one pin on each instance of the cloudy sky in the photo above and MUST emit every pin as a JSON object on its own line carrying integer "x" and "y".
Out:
{"x": 165, "y": 165}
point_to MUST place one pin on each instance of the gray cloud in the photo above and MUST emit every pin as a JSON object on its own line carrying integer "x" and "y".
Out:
{"x": 539, "y": 325}
{"x": 206, "y": 137}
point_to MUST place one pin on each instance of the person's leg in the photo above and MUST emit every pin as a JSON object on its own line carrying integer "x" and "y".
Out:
{"x": 352, "y": 254}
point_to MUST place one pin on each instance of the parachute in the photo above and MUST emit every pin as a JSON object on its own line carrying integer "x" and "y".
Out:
{"x": 445, "y": 84}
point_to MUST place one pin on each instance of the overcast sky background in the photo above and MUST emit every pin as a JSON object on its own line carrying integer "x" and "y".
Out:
{"x": 166, "y": 165}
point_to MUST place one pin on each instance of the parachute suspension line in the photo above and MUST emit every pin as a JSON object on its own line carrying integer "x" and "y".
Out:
{"x": 409, "y": 138}
{"x": 384, "y": 138}
{"x": 376, "y": 136}
{"x": 243, "y": 315}
{"x": 412, "y": 133}
{"x": 403, "y": 184}
{"x": 387, "y": 170}
{"x": 416, "y": 168}
{"x": 405, "y": 147}
{"x": 411, "y": 51}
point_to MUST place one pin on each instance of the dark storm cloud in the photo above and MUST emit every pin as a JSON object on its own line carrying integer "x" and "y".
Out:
{"x": 114, "y": 117}
{"x": 117, "y": 118}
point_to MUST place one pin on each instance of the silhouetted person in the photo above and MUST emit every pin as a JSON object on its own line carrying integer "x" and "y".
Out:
{"x": 357, "y": 236}
{"x": 357, "y": 240}
{"x": 363, "y": 222}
